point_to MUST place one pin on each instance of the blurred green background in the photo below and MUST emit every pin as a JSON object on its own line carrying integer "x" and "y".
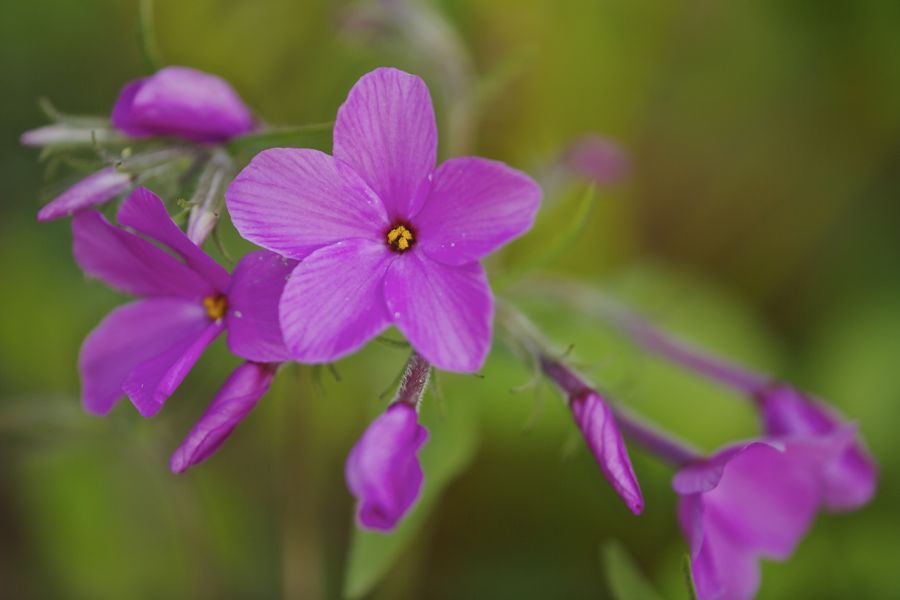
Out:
{"x": 761, "y": 218}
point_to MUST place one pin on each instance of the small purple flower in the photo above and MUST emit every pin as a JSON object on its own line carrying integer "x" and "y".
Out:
{"x": 850, "y": 476}
{"x": 596, "y": 159}
{"x": 238, "y": 396}
{"x": 383, "y": 471}
{"x": 182, "y": 102}
{"x": 744, "y": 503}
{"x": 145, "y": 349}
{"x": 384, "y": 236}
{"x": 94, "y": 189}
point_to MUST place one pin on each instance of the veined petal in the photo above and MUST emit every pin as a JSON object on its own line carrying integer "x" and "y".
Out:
{"x": 386, "y": 132}
{"x": 128, "y": 336}
{"x": 333, "y": 303}
{"x": 597, "y": 423}
{"x": 383, "y": 470}
{"x": 182, "y": 102}
{"x": 151, "y": 382}
{"x": 145, "y": 212}
{"x": 254, "y": 331}
{"x": 475, "y": 206}
{"x": 97, "y": 188}
{"x": 293, "y": 201}
{"x": 130, "y": 263}
{"x": 445, "y": 312}
{"x": 238, "y": 396}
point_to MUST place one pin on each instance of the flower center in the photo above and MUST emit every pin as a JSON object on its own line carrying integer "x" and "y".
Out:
{"x": 401, "y": 238}
{"x": 216, "y": 306}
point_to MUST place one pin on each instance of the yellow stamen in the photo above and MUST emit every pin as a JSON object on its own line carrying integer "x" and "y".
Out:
{"x": 216, "y": 306}
{"x": 400, "y": 238}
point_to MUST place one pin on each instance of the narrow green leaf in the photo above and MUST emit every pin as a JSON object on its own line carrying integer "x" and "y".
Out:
{"x": 147, "y": 37}
{"x": 450, "y": 448}
{"x": 626, "y": 582}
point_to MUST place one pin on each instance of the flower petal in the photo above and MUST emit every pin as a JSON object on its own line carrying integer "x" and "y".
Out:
{"x": 151, "y": 382}
{"x": 721, "y": 568}
{"x": 475, "y": 206}
{"x": 383, "y": 469}
{"x": 333, "y": 303}
{"x": 130, "y": 263}
{"x": 237, "y": 397}
{"x": 254, "y": 331}
{"x": 293, "y": 201}
{"x": 766, "y": 499}
{"x": 598, "y": 425}
{"x": 145, "y": 212}
{"x": 850, "y": 476}
{"x": 100, "y": 187}
{"x": 386, "y": 132}
{"x": 128, "y": 336}
{"x": 445, "y": 312}
{"x": 182, "y": 102}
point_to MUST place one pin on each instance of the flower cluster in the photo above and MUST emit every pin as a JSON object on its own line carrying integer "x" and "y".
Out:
{"x": 374, "y": 235}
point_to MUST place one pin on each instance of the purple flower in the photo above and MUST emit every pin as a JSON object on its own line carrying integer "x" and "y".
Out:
{"x": 92, "y": 190}
{"x": 383, "y": 471}
{"x": 743, "y": 503}
{"x": 850, "y": 476}
{"x": 596, "y": 159}
{"x": 182, "y": 102}
{"x": 145, "y": 349}
{"x": 384, "y": 236}
{"x": 597, "y": 423}
{"x": 238, "y": 396}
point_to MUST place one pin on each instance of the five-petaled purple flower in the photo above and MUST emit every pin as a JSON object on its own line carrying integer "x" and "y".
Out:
{"x": 383, "y": 236}
{"x": 175, "y": 101}
{"x": 145, "y": 349}
{"x": 383, "y": 470}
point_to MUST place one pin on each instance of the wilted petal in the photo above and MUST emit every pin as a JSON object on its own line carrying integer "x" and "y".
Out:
{"x": 237, "y": 397}
{"x": 333, "y": 302}
{"x": 145, "y": 212}
{"x": 598, "y": 425}
{"x": 128, "y": 336}
{"x": 130, "y": 263}
{"x": 254, "y": 331}
{"x": 293, "y": 201}
{"x": 100, "y": 187}
{"x": 475, "y": 206}
{"x": 151, "y": 382}
{"x": 386, "y": 132}
{"x": 445, "y": 312}
{"x": 383, "y": 471}
{"x": 182, "y": 102}
{"x": 850, "y": 476}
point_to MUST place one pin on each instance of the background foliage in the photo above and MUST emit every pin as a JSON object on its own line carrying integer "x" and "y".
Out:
{"x": 761, "y": 218}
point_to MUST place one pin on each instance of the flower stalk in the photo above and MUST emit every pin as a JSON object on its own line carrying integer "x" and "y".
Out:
{"x": 664, "y": 446}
